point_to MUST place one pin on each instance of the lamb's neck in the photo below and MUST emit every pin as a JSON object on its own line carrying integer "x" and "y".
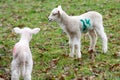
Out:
{"x": 64, "y": 18}
{"x": 24, "y": 40}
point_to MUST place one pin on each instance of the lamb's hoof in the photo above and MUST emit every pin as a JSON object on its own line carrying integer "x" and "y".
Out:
{"x": 91, "y": 51}
{"x": 71, "y": 55}
{"x": 78, "y": 56}
{"x": 104, "y": 50}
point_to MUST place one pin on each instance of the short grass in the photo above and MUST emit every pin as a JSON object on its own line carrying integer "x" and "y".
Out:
{"x": 50, "y": 46}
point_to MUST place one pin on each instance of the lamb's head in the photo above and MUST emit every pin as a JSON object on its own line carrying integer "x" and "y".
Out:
{"x": 26, "y": 33}
{"x": 55, "y": 14}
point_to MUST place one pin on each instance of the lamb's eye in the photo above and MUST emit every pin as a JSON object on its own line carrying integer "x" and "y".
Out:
{"x": 54, "y": 14}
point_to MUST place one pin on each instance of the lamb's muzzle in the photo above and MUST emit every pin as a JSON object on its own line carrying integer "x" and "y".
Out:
{"x": 49, "y": 19}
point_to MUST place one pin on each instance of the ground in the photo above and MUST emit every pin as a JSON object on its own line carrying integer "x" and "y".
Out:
{"x": 50, "y": 46}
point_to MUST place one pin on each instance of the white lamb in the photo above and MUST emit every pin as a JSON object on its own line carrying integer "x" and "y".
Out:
{"x": 22, "y": 62}
{"x": 74, "y": 26}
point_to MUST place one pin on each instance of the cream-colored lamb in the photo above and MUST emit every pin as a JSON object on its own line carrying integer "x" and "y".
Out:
{"x": 74, "y": 26}
{"x": 22, "y": 62}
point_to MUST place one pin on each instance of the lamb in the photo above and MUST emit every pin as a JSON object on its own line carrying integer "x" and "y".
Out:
{"x": 22, "y": 62}
{"x": 90, "y": 22}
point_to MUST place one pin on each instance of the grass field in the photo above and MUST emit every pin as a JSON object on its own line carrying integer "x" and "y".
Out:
{"x": 50, "y": 46}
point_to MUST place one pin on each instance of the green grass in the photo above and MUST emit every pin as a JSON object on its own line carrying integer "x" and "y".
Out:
{"x": 50, "y": 46}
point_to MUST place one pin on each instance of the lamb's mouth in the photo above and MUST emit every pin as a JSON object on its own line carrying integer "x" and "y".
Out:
{"x": 50, "y": 20}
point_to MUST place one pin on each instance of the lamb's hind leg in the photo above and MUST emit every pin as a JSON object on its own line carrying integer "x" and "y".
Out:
{"x": 15, "y": 71}
{"x": 102, "y": 34}
{"x": 29, "y": 65}
{"x": 93, "y": 39}
{"x": 27, "y": 76}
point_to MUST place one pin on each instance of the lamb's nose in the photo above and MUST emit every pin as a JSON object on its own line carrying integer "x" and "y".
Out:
{"x": 49, "y": 19}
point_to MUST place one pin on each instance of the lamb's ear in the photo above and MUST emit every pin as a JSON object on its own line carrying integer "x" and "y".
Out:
{"x": 60, "y": 9}
{"x": 35, "y": 30}
{"x": 17, "y": 30}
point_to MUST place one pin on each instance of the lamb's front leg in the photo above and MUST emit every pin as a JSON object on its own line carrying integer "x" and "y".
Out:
{"x": 78, "y": 51}
{"x": 71, "y": 45}
{"x": 77, "y": 45}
